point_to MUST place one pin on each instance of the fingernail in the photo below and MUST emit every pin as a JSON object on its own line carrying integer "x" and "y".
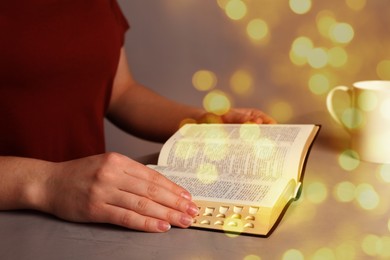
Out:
{"x": 186, "y": 220}
{"x": 164, "y": 226}
{"x": 186, "y": 195}
{"x": 193, "y": 210}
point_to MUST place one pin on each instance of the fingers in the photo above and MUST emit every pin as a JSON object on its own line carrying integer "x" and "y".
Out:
{"x": 247, "y": 115}
{"x": 144, "y": 193}
{"x": 149, "y": 175}
{"x": 156, "y": 194}
{"x": 133, "y": 220}
{"x": 141, "y": 213}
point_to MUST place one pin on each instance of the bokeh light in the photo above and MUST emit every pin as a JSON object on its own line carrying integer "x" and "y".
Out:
{"x": 249, "y": 132}
{"x": 367, "y": 100}
{"x": 352, "y": 118}
{"x": 236, "y": 9}
{"x": 316, "y": 192}
{"x": 264, "y": 148}
{"x": 204, "y": 80}
{"x": 324, "y": 253}
{"x": 337, "y": 57}
{"x": 300, "y": 50}
{"x": 356, "y": 5}
{"x": 384, "y": 172}
{"x": 207, "y": 173}
{"x": 349, "y": 160}
{"x": 222, "y": 3}
{"x": 317, "y": 58}
{"x": 346, "y": 251}
{"x": 216, "y": 151}
{"x": 241, "y": 83}
{"x": 388, "y": 224}
{"x": 217, "y": 102}
{"x": 281, "y": 111}
{"x": 367, "y": 197}
{"x": 325, "y": 20}
{"x": 342, "y": 33}
{"x": 345, "y": 191}
{"x": 383, "y": 69}
{"x": 293, "y": 254}
{"x": 370, "y": 244}
{"x": 319, "y": 84}
{"x": 376, "y": 246}
{"x": 300, "y": 6}
{"x": 252, "y": 257}
{"x": 257, "y": 29}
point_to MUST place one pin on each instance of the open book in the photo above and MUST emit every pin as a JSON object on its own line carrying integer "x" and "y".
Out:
{"x": 241, "y": 176}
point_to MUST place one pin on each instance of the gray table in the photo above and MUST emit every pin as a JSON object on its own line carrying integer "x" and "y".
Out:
{"x": 320, "y": 224}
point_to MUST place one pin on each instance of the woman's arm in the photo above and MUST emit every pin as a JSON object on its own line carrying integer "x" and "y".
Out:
{"x": 144, "y": 113}
{"x": 106, "y": 188}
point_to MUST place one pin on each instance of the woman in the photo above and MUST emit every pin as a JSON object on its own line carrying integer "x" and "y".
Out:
{"x": 63, "y": 69}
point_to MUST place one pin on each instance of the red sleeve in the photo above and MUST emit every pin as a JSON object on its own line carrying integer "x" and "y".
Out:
{"x": 119, "y": 16}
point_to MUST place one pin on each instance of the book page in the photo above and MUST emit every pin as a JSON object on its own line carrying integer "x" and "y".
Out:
{"x": 225, "y": 190}
{"x": 245, "y": 152}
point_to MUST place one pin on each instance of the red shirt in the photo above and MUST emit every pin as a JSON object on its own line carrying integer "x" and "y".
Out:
{"x": 58, "y": 59}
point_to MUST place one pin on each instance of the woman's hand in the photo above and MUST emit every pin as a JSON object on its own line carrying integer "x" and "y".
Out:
{"x": 111, "y": 188}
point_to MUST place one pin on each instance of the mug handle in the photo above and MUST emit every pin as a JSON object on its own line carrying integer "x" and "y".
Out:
{"x": 329, "y": 103}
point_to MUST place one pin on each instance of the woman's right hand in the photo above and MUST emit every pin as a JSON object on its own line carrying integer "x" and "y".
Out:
{"x": 111, "y": 188}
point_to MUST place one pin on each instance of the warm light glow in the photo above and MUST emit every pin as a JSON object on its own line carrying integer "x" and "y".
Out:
{"x": 348, "y": 160}
{"x": 217, "y": 102}
{"x": 317, "y": 58}
{"x": 346, "y": 251}
{"x": 356, "y": 5}
{"x": 216, "y": 151}
{"x": 300, "y": 50}
{"x": 207, "y": 173}
{"x": 319, "y": 84}
{"x": 257, "y": 29}
{"x": 337, "y": 57}
{"x": 371, "y": 245}
{"x": 264, "y": 148}
{"x": 345, "y": 191}
{"x": 325, "y": 20}
{"x": 324, "y": 253}
{"x": 367, "y": 197}
{"x": 236, "y": 9}
{"x": 352, "y": 118}
{"x": 241, "y": 83}
{"x": 300, "y": 6}
{"x": 384, "y": 172}
{"x": 342, "y": 33}
{"x": 388, "y": 224}
{"x": 293, "y": 254}
{"x": 316, "y": 192}
{"x": 383, "y": 69}
{"x": 222, "y": 3}
{"x": 249, "y": 132}
{"x": 204, "y": 80}
{"x": 252, "y": 257}
{"x": 367, "y": 100}
{"x": 281, "y": 111}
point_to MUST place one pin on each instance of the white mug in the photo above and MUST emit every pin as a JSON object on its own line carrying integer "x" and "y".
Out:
{"x": 367, "y": 119}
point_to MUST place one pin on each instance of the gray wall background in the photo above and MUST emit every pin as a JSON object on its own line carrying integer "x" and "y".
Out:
{"x": 169, "y": 40}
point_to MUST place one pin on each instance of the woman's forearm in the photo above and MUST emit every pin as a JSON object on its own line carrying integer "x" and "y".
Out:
{"x": 146, "y": 114}
{"x": 21, "y": 183}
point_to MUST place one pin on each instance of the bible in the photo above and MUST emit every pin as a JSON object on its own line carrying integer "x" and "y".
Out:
{"x": 241, "y": 176}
